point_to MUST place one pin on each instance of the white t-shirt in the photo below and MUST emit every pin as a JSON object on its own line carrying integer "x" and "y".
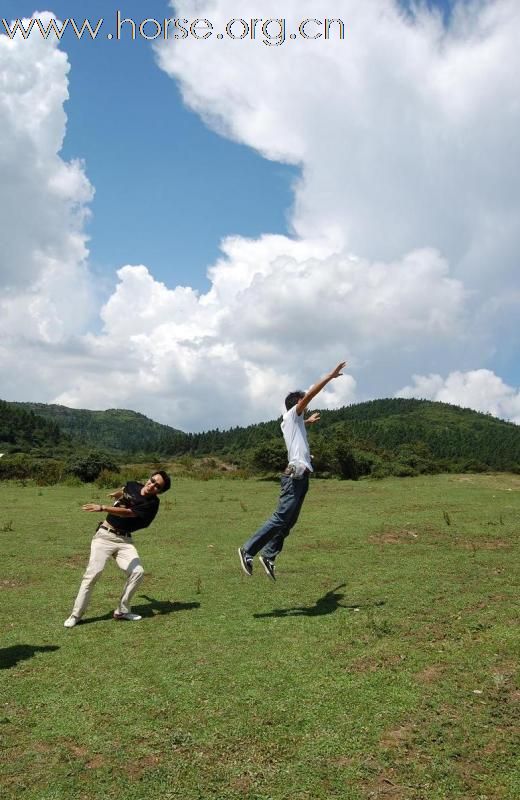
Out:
{"x": 295, "y": 435}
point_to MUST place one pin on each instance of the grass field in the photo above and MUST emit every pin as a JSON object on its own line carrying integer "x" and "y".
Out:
{"x": 381, "y": 664}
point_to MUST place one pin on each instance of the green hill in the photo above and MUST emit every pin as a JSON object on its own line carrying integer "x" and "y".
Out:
{"x": 448, "y": 432}
{"x": 379, "y": 437}
{"x": 23, "y": 431}
{"x": 116, "y": 430}
{"x": 408, "y": 436}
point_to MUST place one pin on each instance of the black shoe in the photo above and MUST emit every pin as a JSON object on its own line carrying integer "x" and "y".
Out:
{"x": 246, "y": 562}
{"x": 268, "y": 566}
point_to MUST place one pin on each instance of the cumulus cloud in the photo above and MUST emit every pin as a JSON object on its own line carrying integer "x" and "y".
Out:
{"x": 43, "y": 199}
{"x": 405, "y": 130}
{"x": 278, "y": 315}
{"x": 479, "y": 389}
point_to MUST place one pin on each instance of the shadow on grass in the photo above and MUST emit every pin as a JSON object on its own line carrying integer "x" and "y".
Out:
{"x": 327, "y": 604}
{"x": 10, "y": 656}
{"x": 162, "y": 607}
{"x": 153, "y": 608}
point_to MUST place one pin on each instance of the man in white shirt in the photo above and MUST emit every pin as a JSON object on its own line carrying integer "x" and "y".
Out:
{"x": 269, "y": 539}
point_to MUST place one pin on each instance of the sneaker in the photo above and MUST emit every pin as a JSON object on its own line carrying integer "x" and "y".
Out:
{"x": 246, "y": 562}
{"x": 129, "y": 616}
{"x": 70, "y": 621}
{"x": 268, "y": 565}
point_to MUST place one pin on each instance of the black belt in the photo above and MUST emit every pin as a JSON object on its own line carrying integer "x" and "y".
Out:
{"x": 108, "y": 527}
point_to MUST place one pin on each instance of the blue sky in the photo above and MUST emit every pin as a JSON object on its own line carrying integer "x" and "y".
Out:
{"x": 318, "y": 201}
{"x": 167, "y": 188}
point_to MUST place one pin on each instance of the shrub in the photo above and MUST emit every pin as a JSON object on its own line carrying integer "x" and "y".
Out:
{"x": 344, "y": 461}
{"x": 89, "y": 466}
{"x": 108, "y": 479}
{"x": 21, "y": 466}
{"x": 271, "y": 456}
{"x": 47, "y": 472}
{"x": 401, "y": 470}
{"x": 474, "y": 466}
{"x": 15, "y": 466}
{"x": 381, "y": 470}
{"x": 71, "y": 480}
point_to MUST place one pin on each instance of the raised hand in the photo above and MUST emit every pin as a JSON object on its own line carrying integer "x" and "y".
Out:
{"x": 336, "y": 372}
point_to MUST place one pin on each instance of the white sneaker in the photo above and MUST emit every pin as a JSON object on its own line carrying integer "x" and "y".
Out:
{"x": 70, "y": 621}
{"x": 128, "y": 615}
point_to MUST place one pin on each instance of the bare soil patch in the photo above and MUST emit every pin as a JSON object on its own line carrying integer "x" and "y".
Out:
{"x": 430, "y": 674}
{"x": 403, "y": 536}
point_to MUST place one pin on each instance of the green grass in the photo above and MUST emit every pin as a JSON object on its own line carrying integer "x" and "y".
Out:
{"x": 381, "y": 664}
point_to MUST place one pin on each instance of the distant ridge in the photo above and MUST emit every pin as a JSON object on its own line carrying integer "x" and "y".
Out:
{"x": 389, "y": 436}
{"x": 447, "y": 436}
{"x": 115, "y": 430}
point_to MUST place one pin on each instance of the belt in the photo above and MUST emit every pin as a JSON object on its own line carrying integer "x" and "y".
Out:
{"x": 108, "y": 527}
{"x": 291, "y": 469}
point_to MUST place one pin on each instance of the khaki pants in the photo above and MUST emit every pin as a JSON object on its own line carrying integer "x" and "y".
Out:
{"x": 106, "y": 544}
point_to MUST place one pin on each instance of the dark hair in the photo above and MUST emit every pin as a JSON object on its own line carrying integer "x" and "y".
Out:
{"x": 292, "y": 398}
{"x": 166, "y": 478}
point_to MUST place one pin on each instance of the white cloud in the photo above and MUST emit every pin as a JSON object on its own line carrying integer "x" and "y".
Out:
{"x": 479, "y": 389}
{"x": 43, "y": 199}
{"x": 279, "y": 314}
{"x": 406, "y": 133}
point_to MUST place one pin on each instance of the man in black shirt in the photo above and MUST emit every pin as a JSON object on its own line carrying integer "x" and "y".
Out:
{"x": 135, "y": 507}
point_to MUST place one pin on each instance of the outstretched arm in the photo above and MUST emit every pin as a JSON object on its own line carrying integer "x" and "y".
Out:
{"x": 119, "y": 511}
{"x": 316, "y": 389}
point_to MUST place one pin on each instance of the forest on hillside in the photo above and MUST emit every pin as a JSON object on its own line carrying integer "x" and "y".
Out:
{"x": 377, "y": 438}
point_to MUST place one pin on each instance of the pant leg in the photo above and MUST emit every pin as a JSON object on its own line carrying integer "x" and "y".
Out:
{"x": 274, "y": 547}
{"x": 127, "y": 559}
{"x": 101, "y": 549}
{"x": 278, "y": 522}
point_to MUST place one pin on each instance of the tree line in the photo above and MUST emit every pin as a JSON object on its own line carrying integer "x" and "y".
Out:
{"x": 380, "y": 437}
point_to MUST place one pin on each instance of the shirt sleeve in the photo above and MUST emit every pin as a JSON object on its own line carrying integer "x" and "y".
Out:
{"x": 146, "y": 509}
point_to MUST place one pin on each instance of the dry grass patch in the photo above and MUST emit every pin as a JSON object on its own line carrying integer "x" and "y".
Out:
{"x": 376, "y": 663}
{"x": 402, "y": 536}
{"x": 397, "y": 737}
{"x": 430, "y": 674}
{"x": 385, "y": 786}
{"x": 483, "y": 544}
{"x": 10, "y": 583}
{"x": 328, "y": 545}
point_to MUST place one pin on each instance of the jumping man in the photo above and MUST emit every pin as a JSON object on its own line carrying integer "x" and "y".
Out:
{"x": 269, "y": 539}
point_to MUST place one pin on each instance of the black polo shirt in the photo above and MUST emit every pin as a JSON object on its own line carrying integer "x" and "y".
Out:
{"x": 145, "y": 507}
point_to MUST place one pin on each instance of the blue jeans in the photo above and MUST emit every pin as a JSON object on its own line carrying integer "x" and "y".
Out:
{"x": 270, "y": 537}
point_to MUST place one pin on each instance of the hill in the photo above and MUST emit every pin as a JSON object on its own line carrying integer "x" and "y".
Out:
{"x": 379, "y": 437}
{"x": 389, "y": 436}
{"x": 119, "y": 431}
{"x": 23, "y": 431}
{"x": 446, "y": 431}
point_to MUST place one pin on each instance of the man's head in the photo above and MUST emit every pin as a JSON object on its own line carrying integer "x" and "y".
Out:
{"x": 158, "y": 483}
{"x": 293, "y": 398}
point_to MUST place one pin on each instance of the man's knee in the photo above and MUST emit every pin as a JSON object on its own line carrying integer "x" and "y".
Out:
{"x": 282, "y": 517}
{"x": 137, "y": 573}
{"x": 92, "y": 572}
